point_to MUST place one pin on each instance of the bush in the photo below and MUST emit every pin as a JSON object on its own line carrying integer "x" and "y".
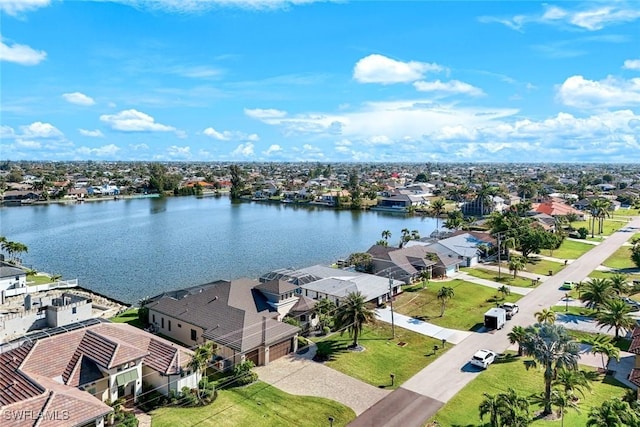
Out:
{"x": 302, "y": 342}
{"x": 150, "y": 398}
{"x": 143, "y": 315}
{"x": 326, "y": 330}
{"x": 243, "y": 373}
{"x": 583, "y": 232}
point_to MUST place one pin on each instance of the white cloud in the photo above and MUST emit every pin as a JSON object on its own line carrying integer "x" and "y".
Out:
{"x": 229, "y": 135}
{"x": 221, "y": 136}
{"x": 78, "y": 98}
{"x": 579, "y": 92}
{"x": 176, "y": 152}
{"x": 243, "y": 150}
{"x": 195, "y": 6}
{"x": 136, "y": 147}
{"x": 91, "y": 133}
{"x": 41, "y": 130}
{"x": 269, "y": 113}
{"x": 107, "y": 151}
{"x": 15, "y": 7}
{"x": 450, "y": 87}
{"x": 593, "y": 18}
{"x": 274, "y": 148}
{"x": 380, "y": 69}
{"x": 632, "y": 64}
{"x": 134, "y": 121}
{"x": 20, "y": 54}
{"x": 6, "y": 132}
{"x": 29, "y": 144}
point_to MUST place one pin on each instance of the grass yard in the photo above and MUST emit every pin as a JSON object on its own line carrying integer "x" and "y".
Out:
{"x": 610, "y": 226}
{"x": 597, "y": 274}
{"x": 542, "y": 266}
{"x": 572, "y": 309}
{"x": 465, "y": 311}
{"x": 462, "y": 410}
{"x": 625, "y": 212}
{"x": 621, "y": 259}
{"x": 130, "y": 316}
{"x": 506, "y": 277}
{"x": 570, "y": 249}
{"x": 38, "y": 279}
{"x": 383, "y": 356}
{"x": 257, "y": 405}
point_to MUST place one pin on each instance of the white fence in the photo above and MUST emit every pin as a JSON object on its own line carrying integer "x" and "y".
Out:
{"x": 60, "y": 284}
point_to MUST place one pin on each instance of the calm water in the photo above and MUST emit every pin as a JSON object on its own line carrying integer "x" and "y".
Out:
{"x": 133, "y": 248}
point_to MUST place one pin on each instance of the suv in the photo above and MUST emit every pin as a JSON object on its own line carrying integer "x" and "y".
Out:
{"x": 483, "y": 358}
{"x": 511, "y": 309}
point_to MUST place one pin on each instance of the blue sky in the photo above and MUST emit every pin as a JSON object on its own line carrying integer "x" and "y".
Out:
{"x": 361, "y": 81}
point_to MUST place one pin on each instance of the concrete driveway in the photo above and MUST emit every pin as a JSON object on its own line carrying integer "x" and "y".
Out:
{"x": 300, "y": 375}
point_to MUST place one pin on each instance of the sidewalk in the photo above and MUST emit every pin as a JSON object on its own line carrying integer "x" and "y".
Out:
{"x": 505, "y": 271}
{"x": 491, "y": 284}
{"x": 453, "y": 336}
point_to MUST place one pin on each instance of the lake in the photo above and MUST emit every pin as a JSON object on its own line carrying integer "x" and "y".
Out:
{"x": 132, "y": 248}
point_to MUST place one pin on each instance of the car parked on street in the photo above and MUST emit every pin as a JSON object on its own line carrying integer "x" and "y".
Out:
{"x": 633, "y": 304}
{"x": 511, "y": 309}
{"x": 483, "y": 358}
{"x": 567, "y": 286}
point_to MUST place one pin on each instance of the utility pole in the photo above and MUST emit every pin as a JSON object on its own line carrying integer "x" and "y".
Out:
{"x": 393, "y": 325}
{"x": 498, "y": 234}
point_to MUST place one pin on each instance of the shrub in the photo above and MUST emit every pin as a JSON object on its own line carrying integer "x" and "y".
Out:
{"x": 243, "y": 373}
{"x": 583, "y": 232}
{"x": 143, "y": 315}
{"x": 326, "y": 330}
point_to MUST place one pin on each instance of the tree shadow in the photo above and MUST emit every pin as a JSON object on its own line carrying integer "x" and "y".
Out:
{"x": 328, "y": 350}
{"x": 507, "y": 358}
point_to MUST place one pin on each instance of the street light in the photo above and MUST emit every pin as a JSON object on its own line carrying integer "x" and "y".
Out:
{"x": 393, "y": 325}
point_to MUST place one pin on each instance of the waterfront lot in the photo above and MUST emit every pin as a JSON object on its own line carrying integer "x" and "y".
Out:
{"x": 258, "y": 405}
{"x": 465, "y": 311}
{"x": 462, "y": 410}
{"x": 403, "y": 356}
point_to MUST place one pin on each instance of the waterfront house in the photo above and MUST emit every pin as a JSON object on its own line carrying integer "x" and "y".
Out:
{"x": 469, "y": 245}
{"x": 77, "y": 371}
{"x": 403, "y": 264}
{"x": 12, "y": 277}
{"x": 235, "y": 315}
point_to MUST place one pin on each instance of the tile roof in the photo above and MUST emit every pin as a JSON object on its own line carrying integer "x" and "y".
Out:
{"x": 276, "y": 287}
{"x": 304, "y": 304}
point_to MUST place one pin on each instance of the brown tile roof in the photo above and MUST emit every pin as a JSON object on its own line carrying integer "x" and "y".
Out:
{"x": 304, "y": 305}
{"x": 14, "y": 385}
{"x": 635, "y": 341}
{"x": 634, "y": 376}
{"x": 277, "y": 287}
{"x": 231, "y": 314}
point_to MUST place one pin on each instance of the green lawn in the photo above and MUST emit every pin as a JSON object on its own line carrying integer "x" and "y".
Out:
{"x": 465, "y": 311}
{"x": 625, "y": 212}
{"x": 610, "y": 226}
{"x": 542, "y": 266}
{"x": 38, "y": 279}
{"x": 383, "y": 356}
{"x": 130, "y": 316}
{"x": 462, "y": 410}
{"x": 620, "y": 259}
{"x": 570, "y": 249}
{"x": 506, "y": 277}
{"x": 597, "y": 274}
{"x": 581, "y": 311}
{"x": 257, "y": 405}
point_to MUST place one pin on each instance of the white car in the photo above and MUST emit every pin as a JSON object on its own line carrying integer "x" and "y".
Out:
{"x": 483, "y": 358}
{"x": 510, "y": 308}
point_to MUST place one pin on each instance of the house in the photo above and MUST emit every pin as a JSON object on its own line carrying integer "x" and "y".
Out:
{"x": 20, "y": 196}
{"x": 469, "y": 245}
{"x": 446, "y": 261}
{"x": 400, "y": 202}
{"x": 634, "y": 376}
{"x": 556, "y": 208}
{"x": 405, "y": 264}
{"x": 12, "y": 277}
{"x": 236, "y": 315}
{"x": 70, "y": 375}
{"x": 304, "y": 311}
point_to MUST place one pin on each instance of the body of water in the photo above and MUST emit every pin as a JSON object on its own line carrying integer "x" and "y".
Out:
{"x": 129, "y": 249}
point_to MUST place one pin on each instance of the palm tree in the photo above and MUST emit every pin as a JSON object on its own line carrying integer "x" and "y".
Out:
{"x": 201, "y": 359}
{"x": 616, "y": 315}
{"x": 444, "y": 295}
{"x": 425, "y": 276}
{"x": 515, "y": 408}
{"x": 603, "y": 345}
{"x": 352, "y": 314}
{"x": 454, "y": 220}
{"x": 553, "y": 348}
{"x": 323, "y": 309}
{"x": 492, "y": 406}
{"x": 572, "y": 381}
{"x": 406, "y": 236}
{"x": 517, "y": 263}
{"x": 415, "y": 235}
{"x": 578, "y": 286}
{"x": 517, "y": 335}
{"x": 546, "y": 315}
{"x": 612, "y": 413}
{"x": 504, "y": 290}
{"x": 619, "y": 283}
{"x": 563, "y": 401}
{"x": 596, "y": 292}
{"x": 386, "y": 234}
{"x": 437, "y": 209}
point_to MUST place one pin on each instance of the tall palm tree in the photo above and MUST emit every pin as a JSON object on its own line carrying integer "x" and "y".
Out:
{"x": 603, "y": 345}
{"x": 386, "y": 234}
{"x": 546, "y": 315}
{"x": 351, "y": 316}
{"x": 517, "y": 263}
{"x": 444, "y": 295}
{"x": 553, "y": 348}
{"x": 563, "y": 401}
{"x": 596, "y": 292}
{"x": 406, "y": 236}
{"x": 437, "y": 209}
{"x": 619, "y": 283}
{"x": 201, "y": 359}
{"x": 616, "y": 315}
{"x": 612, "y": 413}
{"x": 492, "y": 406}
{"x": 517, "y": 335}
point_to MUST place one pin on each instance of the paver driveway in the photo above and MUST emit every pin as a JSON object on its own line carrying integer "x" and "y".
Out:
{"x": 299, "y": 375}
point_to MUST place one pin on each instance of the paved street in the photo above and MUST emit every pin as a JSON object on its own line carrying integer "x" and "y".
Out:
{"x": 447, "y": 375}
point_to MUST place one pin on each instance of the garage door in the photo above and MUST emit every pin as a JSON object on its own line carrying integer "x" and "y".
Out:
{"x": 253, "y": 356}
{"x": 276, "y": 351}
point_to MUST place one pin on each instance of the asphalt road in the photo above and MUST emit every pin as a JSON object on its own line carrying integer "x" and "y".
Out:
{"x": 451, "y": 372}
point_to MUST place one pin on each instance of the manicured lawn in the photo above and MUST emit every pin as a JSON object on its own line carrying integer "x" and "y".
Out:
{"x": 465, "y": 311}
{"x": 620, "y": 259}
{"x": 130, "y": 316}
{"x": 610, "y": 226}
{"x": 383, "y": 356}
{"x": 506, "y": 277}
{"x": 462, "y": 410}
{"x": 256, "y": 405}
{"x": 570, "y": 249}
{"x": 542, "y": 266}
{"x": 597, "y": 274}
{"x": 38, "y": 279}
{"x": 580, "y": 311}
{"x": 626, "y": 212}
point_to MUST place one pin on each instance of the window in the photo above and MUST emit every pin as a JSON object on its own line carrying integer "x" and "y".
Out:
{"x": 179, "y": 325}
{"x": 154, "y": 318}
{"x": 303, "y": 318}
{"x": 74, "y": 310}
{"x": 169, "y": 325}
{"x": 193, "y": 335}
{"x": 162, "y": 323}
